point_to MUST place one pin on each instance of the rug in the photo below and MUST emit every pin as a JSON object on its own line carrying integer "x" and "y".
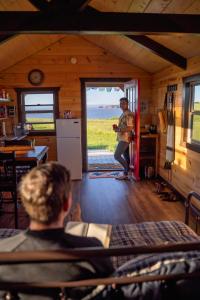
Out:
{"x": 112, "y": 174}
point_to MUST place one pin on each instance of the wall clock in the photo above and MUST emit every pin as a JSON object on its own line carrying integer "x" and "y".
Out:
{"x": 35, "y": 77}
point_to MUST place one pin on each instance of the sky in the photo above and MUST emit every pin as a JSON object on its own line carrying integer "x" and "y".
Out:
{"x": 98, "y": 97}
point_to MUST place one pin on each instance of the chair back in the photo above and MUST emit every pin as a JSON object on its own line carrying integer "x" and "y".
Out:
{"x": 7, "y": 171}
{"x": 8, "y": 181}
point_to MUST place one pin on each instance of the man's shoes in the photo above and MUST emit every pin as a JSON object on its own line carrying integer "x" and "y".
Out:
{"x": 122, "y": 177}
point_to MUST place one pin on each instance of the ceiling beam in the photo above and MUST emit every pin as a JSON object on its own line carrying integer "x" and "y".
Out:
{"x": 156, "y": 48}
{"x": 97, "y": 23}
{"x": 160, "y": 50}
{"x": 48, "y": 4}
{"x": 81, "y": 4}
{"x": 67, "y": 5}
{"x": 5, "y": 37}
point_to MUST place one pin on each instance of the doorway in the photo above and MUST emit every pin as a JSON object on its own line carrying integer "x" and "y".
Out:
{"x": 102, "y": 110}
{"x": 97, "y": 83}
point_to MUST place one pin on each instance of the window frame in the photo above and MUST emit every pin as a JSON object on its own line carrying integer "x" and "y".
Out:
{"x": 21, "y": 111}
{"x": 188, "y": 106}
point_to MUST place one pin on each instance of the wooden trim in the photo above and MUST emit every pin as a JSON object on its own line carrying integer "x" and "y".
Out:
{"x": 160, "y": 50}
{"x": 84, "y": 114}
{"x": 97, "y": 23}
{"x": 193, "y": 147}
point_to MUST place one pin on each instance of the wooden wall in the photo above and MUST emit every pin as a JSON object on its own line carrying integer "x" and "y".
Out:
{"x": 185, "y": 171}
{"x": 55, "y": 62}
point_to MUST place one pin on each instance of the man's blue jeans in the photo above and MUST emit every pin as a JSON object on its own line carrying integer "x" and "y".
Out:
{"x": 122, "y": 155}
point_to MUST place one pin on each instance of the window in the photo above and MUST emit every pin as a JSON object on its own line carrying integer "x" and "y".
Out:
{"x": 38, "y": 107}
{"x": 191, "y": 120}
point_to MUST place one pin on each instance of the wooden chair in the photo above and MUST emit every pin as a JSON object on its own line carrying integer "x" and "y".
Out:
{"x": 22, "y": 168}
{"x": 8, "y": 181}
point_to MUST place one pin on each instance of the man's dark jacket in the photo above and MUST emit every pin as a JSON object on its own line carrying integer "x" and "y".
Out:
{"x": 52, "y": 239}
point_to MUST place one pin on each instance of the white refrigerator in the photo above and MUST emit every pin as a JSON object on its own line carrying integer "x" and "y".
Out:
{"x": 69, "y": 154}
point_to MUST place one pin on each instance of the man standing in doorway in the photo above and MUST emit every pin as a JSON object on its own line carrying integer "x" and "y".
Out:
{"x": 124, "y": 130}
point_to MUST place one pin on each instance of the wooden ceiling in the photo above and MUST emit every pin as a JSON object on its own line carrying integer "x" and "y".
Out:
{"x": 184, "y": 45}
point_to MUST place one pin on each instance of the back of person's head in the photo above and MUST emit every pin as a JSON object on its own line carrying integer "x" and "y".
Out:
{"x": 124, "y": 99}
{"x": 44, "y": 190}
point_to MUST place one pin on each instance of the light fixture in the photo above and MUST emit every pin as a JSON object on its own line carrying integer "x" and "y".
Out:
{"x": 73, "y": 60}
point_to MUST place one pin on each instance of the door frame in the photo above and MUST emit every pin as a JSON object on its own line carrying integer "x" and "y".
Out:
{"x": 84, "y": 81}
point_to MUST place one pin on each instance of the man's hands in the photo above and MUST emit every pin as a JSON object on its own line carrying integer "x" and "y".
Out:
{"x": 116, "y": 128}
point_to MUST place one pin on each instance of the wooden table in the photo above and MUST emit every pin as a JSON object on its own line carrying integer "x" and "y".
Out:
{"x": 31, "y": 157}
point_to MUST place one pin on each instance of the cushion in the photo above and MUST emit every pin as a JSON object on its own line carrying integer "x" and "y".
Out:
{"x": 162, "y": 264}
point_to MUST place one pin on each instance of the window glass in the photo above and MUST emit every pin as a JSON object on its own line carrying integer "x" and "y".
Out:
{"x": 38, "y": 108}
{"x": 39, "y": 117}
{"x": 36, "y": 99}
{"x": 191, "y": 115}
{"x": 196, "y": 100}
{"x": 196, "y": 128}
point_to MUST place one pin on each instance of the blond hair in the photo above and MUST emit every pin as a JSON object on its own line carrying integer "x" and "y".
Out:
{"x": 44, "y": 190}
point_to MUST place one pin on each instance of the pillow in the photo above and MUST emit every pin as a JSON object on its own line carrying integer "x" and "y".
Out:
{"x": 162, "y": 264}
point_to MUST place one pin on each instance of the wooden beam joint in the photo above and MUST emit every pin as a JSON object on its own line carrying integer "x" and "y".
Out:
{"x": 160, "y": 50}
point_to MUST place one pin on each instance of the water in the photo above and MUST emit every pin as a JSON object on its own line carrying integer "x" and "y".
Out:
{"x": 93, "y": 112}
{"x": 96, "y": 112}
{"x": 40, "y": 116}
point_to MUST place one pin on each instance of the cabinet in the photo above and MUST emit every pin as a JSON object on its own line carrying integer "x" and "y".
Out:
{"x": 148, "y": 155}
{"x": 6, "y": 110}
{"x": 3, "y": 111}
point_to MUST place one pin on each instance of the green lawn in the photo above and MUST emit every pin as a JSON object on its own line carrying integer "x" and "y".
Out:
{"x": 42, "y": 125}
{"x": 100, "y": 134}
{"x": 196, "y": 128}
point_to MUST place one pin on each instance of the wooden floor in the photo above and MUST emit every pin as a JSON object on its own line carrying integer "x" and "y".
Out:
{"x": 107, "y": 200}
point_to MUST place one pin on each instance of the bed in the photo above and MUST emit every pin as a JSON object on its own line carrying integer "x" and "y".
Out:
{"x": 167, "y": 251}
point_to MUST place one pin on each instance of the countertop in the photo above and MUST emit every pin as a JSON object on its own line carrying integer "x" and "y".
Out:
{"x": 12, "y": 137}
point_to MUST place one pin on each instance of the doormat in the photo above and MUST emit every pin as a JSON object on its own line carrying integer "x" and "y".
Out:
{"x": 113, "y": 174}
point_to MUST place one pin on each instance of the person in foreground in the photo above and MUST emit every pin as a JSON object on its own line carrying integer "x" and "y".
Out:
{"x": 46, "y": 195}
{"x": 124, "y": 130}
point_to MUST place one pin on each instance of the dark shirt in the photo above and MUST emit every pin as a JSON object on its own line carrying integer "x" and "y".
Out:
{"x": 52, "y": 239}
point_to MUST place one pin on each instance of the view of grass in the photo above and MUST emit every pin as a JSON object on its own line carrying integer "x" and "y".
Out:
{"x": 42, "y": 125}
{"x": 100, "y": 134}
{"x": 196, "y": 123}
{"x": 196, "y": 128}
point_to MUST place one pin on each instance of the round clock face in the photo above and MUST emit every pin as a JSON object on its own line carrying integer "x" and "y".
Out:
{"x": 36, "y": 77}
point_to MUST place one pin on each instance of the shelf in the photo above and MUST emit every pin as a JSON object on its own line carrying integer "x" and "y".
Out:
{"x": 4, "y": 100}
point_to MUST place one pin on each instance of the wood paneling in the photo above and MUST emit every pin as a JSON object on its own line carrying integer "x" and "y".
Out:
{"x": 54, "y": 61}
{"x": 185, "y": 172}
{"x": 148, "y": 6}
{"x": 130, "y": 51}
{"x": 16, "y": 5}
{"x": 22, "y": 46}
{"x": 133, "y": 53}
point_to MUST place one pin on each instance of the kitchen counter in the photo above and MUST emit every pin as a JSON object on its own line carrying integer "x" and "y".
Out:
{"x": 12, "y": 138}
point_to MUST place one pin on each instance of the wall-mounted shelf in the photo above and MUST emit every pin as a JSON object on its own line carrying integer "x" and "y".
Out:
{"x": 148, "y": 154}
{"x": 5, "y": 100}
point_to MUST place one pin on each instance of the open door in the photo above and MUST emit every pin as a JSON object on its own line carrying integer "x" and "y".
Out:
{"x": 132, "y": 91}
